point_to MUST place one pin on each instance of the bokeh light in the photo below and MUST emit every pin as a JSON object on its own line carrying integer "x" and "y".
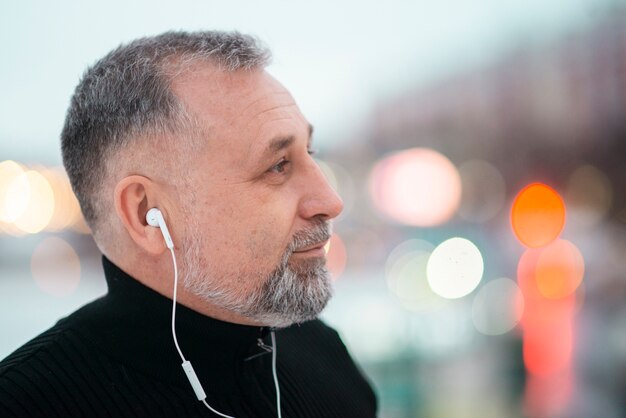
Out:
{"x": 405, "y": 271}
{"x": 484, "y": 191}
{"x": 559, "y": 269}
{"x": 407, "y": 281}
{"x": 9, "y": 171}
{"x": 548, "y": 348}
{"x": 549, "y": 278}
{"x": 15, "y": 191}
{"x": 418, "y": 186}
{"x": 55, "y": 266}
{"x": 497, "y": 307}
{"x": 404, "y": 248}
{"x": 539, "y": 309}
{"x": 336, "y": 256}
{"x": 80, "y": 225}
{"x": 589, "y": 196}
{"x": 537, "y": 215}
{"x": 38, "y": 212}
{"x": 455, "y": 268}
{"x": 35, "y": 200}
{"x": 547, "y": 396}
{"x": 504, "y": 93}
{"x": 66, "y": 208}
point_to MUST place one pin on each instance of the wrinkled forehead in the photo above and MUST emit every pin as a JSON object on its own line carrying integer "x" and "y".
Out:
{"x": 215, "y": 96}
{"x": 242, "y": 111}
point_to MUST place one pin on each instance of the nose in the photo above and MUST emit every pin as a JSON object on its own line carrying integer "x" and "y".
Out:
{"x": 319, "y": 198}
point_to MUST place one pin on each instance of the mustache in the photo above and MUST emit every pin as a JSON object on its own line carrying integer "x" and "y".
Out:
{"x": 317, "y": 233}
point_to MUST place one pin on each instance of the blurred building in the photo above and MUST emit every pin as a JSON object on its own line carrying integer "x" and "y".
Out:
{"x": 554, "y": 114}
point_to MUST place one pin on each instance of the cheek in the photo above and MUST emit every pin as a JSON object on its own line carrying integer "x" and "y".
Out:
{"x": 266, "y": 239}
{"x": 251, "y": 233}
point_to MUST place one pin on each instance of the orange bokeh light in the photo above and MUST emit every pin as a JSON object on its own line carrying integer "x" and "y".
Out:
{"x": 537, "y": 215}
{"x": 559, "y": 270}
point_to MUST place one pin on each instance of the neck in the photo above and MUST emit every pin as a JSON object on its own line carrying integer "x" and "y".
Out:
{"x": 158, "y": 274}
{"x": 206, "y": 308}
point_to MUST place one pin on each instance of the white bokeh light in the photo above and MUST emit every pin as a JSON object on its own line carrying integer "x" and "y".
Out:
{"x": 16, "y": 197}
{"x": 12, "y": 205}
{"x": 405, "y": 272}
{"x": 408, "y": 246}
{"x": 40, "y": 204}
{"x": 497, "y": 307}
{"x": 454, "y": 268}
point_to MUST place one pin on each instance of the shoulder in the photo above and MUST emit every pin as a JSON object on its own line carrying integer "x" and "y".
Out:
{"x": 315, "y": 353}
{"x": 311, "y": 329}
{"x": 55, "y": 342}
{"x": 48, "y": 374}
{"x": 318, "y": 338}
{"x": 26, "y": 354}
{"x": 28, "y": 373}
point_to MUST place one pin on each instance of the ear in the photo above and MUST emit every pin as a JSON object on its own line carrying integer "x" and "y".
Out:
{"x": 134, "y": 196}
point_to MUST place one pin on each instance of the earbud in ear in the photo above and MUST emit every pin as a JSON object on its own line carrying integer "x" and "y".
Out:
{"x": 154, "y": 217}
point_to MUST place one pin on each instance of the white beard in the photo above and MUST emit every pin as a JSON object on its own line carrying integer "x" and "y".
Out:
{"x": 292, "y": 293}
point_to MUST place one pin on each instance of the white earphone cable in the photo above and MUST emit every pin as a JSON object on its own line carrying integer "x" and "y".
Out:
{"x": 176, "y": 339}
{"x": 154, "y": 217}
{"x": 180, "y": 353}
{"x": 275, "y": 374}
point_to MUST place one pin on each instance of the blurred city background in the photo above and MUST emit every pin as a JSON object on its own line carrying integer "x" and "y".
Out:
{"x": 479, "y": 147}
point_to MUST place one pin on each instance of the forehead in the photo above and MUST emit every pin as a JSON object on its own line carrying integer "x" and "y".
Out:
{"x": 236, "y": 101}
{"x": 241, "y": 114}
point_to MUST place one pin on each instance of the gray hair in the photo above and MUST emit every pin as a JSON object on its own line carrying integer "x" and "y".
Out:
{"x": 126, "y": 96}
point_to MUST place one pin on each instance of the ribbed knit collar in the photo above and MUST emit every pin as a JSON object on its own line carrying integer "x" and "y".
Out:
{"x": 133, "y": 324}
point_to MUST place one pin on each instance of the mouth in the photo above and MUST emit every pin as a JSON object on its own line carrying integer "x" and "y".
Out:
{"x": 317, "y": 250}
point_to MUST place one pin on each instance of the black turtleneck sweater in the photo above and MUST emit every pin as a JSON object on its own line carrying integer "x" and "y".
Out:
{"x": 115, "y": 357}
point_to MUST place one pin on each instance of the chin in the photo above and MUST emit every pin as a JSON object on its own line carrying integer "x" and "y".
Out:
{"x": 286, "y": 320}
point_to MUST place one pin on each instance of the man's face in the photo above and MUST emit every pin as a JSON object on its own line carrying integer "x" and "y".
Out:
{"x": 259, "y": 206}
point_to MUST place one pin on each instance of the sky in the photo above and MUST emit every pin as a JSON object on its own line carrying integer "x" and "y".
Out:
{"x": 336, "y": 57}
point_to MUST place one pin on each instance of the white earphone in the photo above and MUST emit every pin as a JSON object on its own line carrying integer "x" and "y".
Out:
{"x": 154, "y": 217}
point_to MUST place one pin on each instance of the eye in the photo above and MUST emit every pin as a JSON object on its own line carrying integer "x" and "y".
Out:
{"x": 311, "y": 151}
{"x": 280, "y": 166}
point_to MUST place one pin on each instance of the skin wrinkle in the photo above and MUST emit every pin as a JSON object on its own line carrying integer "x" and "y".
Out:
{"x": 244, "y": 111}
{"x": 234, "y": 220}
{"x": 255, "y": 150}
{"x": 296, "y": 291}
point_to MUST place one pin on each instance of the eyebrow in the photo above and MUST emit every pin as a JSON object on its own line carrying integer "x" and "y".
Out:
{"x": 278, "y": 144}
{"x": 281, "y": 143}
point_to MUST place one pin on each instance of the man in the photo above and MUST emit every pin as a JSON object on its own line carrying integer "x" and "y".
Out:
{"x": 192, "y": 125}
